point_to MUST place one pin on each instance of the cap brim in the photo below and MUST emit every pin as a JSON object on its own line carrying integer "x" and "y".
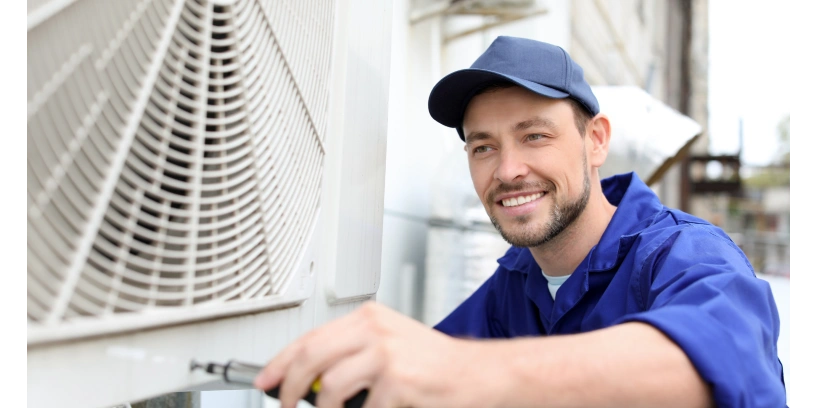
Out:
{"x": 449, "y": 98}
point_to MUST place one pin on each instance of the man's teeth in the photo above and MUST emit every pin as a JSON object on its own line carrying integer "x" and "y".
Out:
{"x": 513, "y": 202}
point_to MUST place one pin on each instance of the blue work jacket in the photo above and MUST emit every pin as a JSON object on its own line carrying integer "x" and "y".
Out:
{"x": 655, "y": 265}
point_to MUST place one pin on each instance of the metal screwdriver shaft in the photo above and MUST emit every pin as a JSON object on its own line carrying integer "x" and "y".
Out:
{"x": 244, "y": 373}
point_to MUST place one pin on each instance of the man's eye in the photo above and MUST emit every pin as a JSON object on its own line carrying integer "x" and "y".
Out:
{"x": 536, "y": 136}
{"x": 481, "y": 149}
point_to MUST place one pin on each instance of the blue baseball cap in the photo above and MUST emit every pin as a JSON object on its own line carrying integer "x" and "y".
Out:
{"x": 540, "y": 67}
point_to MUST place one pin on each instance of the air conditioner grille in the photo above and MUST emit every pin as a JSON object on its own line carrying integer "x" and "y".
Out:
{"x": 175, "y": 151}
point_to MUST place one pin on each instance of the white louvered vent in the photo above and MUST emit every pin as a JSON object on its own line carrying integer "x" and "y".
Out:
{"x": 175, "y": 156}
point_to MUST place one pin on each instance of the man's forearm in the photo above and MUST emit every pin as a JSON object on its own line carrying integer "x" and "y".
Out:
{"x": 629, "y": 365}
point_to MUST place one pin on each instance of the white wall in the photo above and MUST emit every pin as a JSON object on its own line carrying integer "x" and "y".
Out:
{"x": 412, "y": 151}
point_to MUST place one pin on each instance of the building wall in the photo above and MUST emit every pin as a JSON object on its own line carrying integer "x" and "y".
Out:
{"x": 660, "y": 46}
{"x": 618, "y": 42}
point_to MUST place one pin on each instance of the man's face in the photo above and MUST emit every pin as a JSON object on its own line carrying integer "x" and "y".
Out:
{"x": 528, "y": 163}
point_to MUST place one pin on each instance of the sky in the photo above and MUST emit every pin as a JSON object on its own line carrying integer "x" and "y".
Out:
{"x": 750, "y": 76}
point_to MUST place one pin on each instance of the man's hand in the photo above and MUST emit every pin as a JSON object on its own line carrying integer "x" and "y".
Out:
{"x": 406, "y": 364}
{"x": 399, "y": 360}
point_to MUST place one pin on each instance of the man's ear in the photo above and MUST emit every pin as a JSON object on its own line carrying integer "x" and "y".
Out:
{"x": 598, "y": 140}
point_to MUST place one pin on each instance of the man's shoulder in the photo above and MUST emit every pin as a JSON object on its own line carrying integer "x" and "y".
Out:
{"x": 680, "y": 231}
{"x": 674, "y": 221}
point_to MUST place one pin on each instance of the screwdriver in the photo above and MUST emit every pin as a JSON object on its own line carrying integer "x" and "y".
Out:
{"x": 243, "y": 373}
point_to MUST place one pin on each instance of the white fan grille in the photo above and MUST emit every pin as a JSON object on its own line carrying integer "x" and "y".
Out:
{"x": 175, "y": 151}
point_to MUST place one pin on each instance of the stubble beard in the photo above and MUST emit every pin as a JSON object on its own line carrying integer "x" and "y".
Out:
{"x": 562, "y": 215}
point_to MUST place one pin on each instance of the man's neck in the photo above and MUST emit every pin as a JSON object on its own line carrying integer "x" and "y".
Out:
{"x": 563, "y": 254}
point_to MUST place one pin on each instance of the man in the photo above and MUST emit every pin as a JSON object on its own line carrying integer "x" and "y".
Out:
{"x": 606, "y": 298}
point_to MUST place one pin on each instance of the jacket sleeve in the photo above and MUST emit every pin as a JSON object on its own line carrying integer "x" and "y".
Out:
{"x": 699, "y": 289}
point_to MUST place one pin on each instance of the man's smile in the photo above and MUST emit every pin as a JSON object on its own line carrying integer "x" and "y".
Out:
{"x": 515, "y": 204}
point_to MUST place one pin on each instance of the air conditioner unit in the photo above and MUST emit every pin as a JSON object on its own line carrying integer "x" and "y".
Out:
{"x": 204, "y": 179}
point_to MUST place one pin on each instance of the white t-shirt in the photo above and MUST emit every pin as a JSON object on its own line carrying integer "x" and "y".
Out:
{"x": 554, "y": 283}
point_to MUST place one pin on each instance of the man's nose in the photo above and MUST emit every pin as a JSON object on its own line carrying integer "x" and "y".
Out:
{"x": 512, "y": 166}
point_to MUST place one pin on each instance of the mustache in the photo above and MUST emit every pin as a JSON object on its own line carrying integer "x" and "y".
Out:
{"x": 506, "y": 188}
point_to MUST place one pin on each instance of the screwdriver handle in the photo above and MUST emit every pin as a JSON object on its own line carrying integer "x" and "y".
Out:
{"x": 244, "y": 373}
{"x": 311, "y": 397}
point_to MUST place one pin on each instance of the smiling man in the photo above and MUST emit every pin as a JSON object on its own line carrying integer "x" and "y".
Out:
{"x": 529, "y": 165}
{"x": 606, "y": 298}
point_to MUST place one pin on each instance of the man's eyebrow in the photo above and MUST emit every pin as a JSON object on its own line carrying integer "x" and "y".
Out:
{"x": 525, "y": 124}
{"x": 476, "y": 136}
{"x": 535, "y": 122}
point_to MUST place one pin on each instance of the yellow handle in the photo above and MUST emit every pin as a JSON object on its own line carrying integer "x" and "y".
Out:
{"x": 316, "y": 385}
